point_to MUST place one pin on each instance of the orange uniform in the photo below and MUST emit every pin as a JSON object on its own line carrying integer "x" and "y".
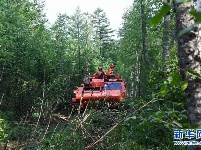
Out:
{"x": 100, "y": 74}
{"x": 111, "y": 70}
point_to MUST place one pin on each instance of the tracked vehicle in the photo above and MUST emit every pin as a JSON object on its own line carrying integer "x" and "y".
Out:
{"x": 109, "y": 91}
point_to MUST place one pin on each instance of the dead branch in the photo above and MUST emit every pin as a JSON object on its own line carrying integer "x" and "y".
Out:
{"x": 84, "y": 119}
{"x": 120, "y": 122}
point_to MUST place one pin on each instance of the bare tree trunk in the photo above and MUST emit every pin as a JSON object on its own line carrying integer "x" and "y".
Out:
{"x": 198, "y": 8}
{"x": 144, "y": 31}
{"x": 78, "y": 47}
{"x": 139, "y": 76}
{"x": 189, "y": 58}
{"x": 166, "y": 37}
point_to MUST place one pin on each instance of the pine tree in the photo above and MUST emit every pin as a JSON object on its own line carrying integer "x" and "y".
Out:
{"x": 103, "y": 30}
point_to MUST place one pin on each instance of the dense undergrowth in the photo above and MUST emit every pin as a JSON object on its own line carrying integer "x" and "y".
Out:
{"x": 149, "y": 128}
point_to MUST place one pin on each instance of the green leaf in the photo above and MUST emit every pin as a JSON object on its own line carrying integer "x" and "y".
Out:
{"x": 184, "y": 85}
{"x": 189, "y": 28}
{"x": 174, "y": 79}
{"x": 149, "y": 109}
{"x": 196, "y": 14}
{"x": 177, "y": 104}
{"x": 182, "y": 116}
{"x": 167, "y": 125}
{"x": 159, "y": 16}
{"x": 181, "y": 1}
{"x": 191, "y": 71}
{"x": 163, "y": 90}
{"x": 159, "y": 115}
{"x": 186, "y": 125}
{"x": 133, "y": 117}
{"x": 170, "y": 78}
{"x": 177, "y": 123}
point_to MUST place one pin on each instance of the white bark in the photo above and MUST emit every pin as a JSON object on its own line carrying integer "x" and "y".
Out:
{"x": 198, "y": 8}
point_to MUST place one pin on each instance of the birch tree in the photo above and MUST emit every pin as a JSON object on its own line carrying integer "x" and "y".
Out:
{"x": 189, "y": 61}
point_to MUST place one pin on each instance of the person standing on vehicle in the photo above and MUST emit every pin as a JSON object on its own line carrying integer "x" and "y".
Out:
{"x": 111, "y": 70}
{"x": 100, "y": 74}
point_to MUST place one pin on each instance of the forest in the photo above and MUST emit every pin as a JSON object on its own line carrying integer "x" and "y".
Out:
{"x": 157, "y": 52}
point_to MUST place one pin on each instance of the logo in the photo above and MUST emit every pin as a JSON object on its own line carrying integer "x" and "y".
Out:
{"x": 192, "y": 135}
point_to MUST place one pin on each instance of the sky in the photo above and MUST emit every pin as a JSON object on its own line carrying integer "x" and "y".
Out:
{"x": 114, "y": 9}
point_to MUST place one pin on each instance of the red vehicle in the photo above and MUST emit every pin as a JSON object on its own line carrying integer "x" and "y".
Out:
{"x": 93, "y": 92}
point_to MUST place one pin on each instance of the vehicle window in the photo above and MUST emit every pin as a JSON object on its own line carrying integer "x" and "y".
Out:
{"x": 113, "y": 86}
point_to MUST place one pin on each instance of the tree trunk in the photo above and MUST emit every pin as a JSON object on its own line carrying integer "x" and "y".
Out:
{"x": 144, "y": 32}
{"x": 166, "y": 36}
{"x": 189, "y": 58}
{"x": 198, "y": 8}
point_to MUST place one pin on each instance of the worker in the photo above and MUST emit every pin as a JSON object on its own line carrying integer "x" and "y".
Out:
{"x": 87, "y": 79}
{"x": 111, "y": 70}
{"x": 100, "y": 74}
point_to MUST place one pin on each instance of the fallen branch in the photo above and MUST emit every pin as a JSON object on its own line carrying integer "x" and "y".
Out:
{"x": 81, "y": 121}
{"x": 1, "y": 99}
{"x": 120, "y": 122}
{"x": 67, "y": 121}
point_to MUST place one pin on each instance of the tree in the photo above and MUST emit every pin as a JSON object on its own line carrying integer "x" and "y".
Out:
{"x": 137, "y": 42}
{"x": 143, "y": 29}
{"x": 189, "y": 60}
{"x": 21, "y": 22}
{"x": 103, "y": 31}
{"x": 166, "y": 35}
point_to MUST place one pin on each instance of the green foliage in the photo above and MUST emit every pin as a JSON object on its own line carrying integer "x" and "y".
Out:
{"x": 173, "y": 81}
{"x": 193, "y": 73}
{"x": 61, "y": 138}
{"x": 133, "y": 65}
{"x": 187, "y": 29}
{"x": 19, "y": 132}
{"x": 196, "y": 14}
{"x": 166, "y": 8}
{"x": 3, "y": 135}
{"x": 181, "y": 1}
{"x": 152, "y": 127}
{"x": 104, "y": 33}
{"x": 8, "y": 115}
{"x": 159, "y": 16}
